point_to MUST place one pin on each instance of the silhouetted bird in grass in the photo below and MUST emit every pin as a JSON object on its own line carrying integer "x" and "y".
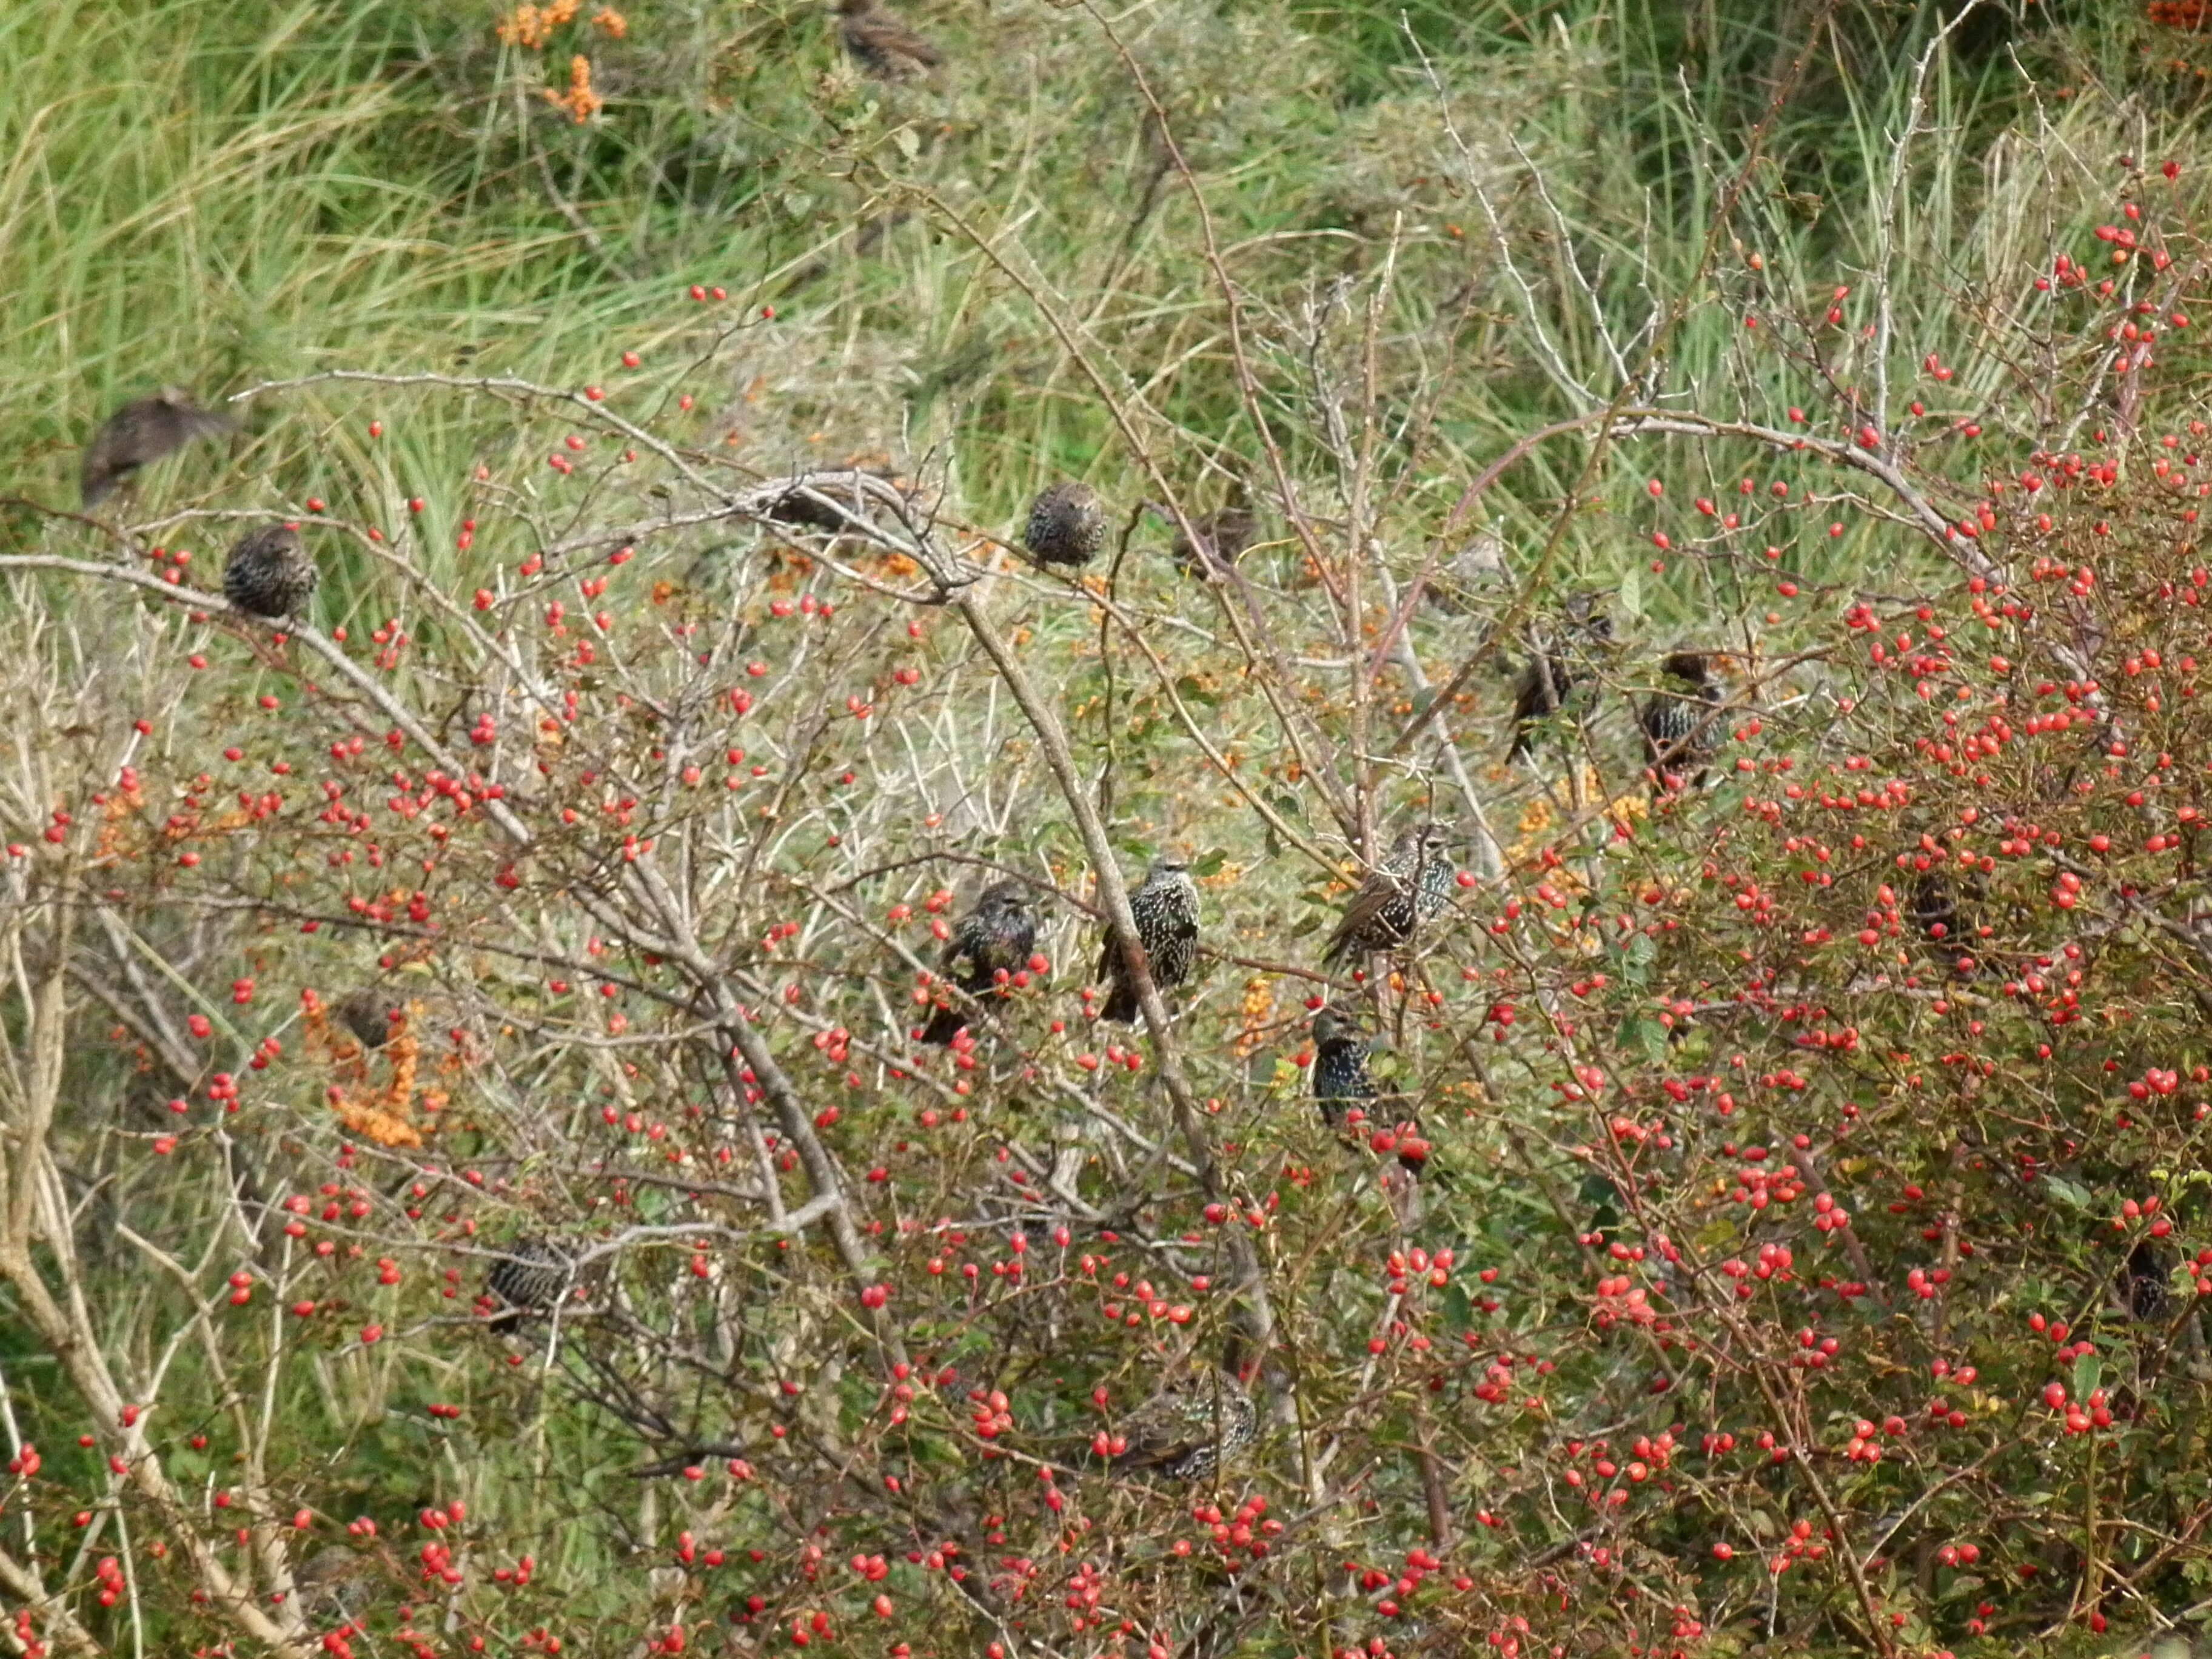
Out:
{"x": 1187, "y": 1431}
{"x": 1165, "y": 910}
{"x": 1681, "y": 721}
{"x": 882, "y": 44}
{"x": 528, "y": 1281}
{"x": 270, "y": 573}
{"x": 1406, "y": 890}
{"x": 142, "y": 432}
{"x": 994, "y": 939}
{"x": 1559, "y": 663}
{"x": 1067, "y": 525}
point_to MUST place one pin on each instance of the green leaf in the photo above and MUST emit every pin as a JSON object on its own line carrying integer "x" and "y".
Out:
{"x": 1190, "y": 689}
{"x": 2067, "y": 1193}
{"x": 1459, "y": 1312}
{"x": 1631, "y": 593}
{"x": 1652, "y": 1037}
{"x": 2088, "y": 1368}
{"x": 909, "y": 142}
{"x": 1209, "y": 861}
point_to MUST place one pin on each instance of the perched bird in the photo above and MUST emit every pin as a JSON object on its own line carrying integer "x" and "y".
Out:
{"x": 995, "y": 938}
{"x": 334, "y": 1580}
{"x": 1222, "y": 536}
{"x": 528, "y": 1281}
{"x": 1558, "y": 663}
{"x": 1679, "y": 722}
{"x": 1479, "y": 564}
{"x": 269, "y": 573}
{"x": 1341, "y": 1080}
{"x": 1342, "y": 1084}
{"x": 2145, "y": 1282}
{"x": 139, "y": 434}
{"x": 1067, "y": 525}
{"x": 883, "y": 45}
{"x": 369, "y": 1016}
{"x": 1187, "y": 1431}
{"x": 1406, "y": 890}
{"x": 1165, "y": 910}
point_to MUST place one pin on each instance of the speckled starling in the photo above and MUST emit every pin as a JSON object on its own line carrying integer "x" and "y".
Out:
{"x": 1681, "y": 721}
{"x": 1222, "y": 538}
{"x": 1406, "y": 890}
{"x": 995, "y": 938}
{"x": 1165, "y": 909}
{"x": 883, "y": 45}
{"x": 1067, "y": 525}
{"x": 1341, "y": 1082}
{"x": 1479, "y": 564}
{"x": 139, "y": 434}
{"x": 1558, "y": 663}
{"x": 1187, "y": 1431}
{"x": 528, "y": 1281}
{"x": 335, "y": 1581}
{"x": 270, "y": 573}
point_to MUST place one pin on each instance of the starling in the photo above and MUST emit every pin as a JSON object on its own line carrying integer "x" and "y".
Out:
{"x": 139, "y": 434}
{"x": 1406, "y": 890}
{"x": 995, "y": 938}
{"x": 1185, "y": 1431}
{"x": 369, "y": 1016}
{"x": 1165, "y": 909}
{"x": 1557, "y": 667}
{"x": 1341, "y": 1084}
{"x": 2145, "y": 1283}
{"x": 1222, "y": 536}
{"x": 1340, "y": 1068}
{"x": 528, "y": 1281}
{"x": 883, "y": 45}
{"x": 269, "y": 573}
{"x": 331, "y": 1580}
{"x": 1479, "y": 564}
{"x": 1680, "y": 723}
{"x": 1067, "y": 525}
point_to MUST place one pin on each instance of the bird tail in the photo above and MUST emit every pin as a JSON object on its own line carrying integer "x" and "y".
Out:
{"x": 1122, "y": 1004}
{"x": 944, "y": 1024}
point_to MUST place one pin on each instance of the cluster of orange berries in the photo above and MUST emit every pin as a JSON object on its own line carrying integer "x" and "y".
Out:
{"x": 2179, "y": 14}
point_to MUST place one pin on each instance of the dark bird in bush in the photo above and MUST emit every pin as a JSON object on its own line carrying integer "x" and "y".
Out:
{"x": 142, "y": 432}
{"x": 1165, "y": 910}
{"x": 992, "y": 941}
{"x": 1342, "y": 1084}
{"x": 1681, "y": 721}
{"x": 1067, "y": 525}
{"x": 2145, "y": 1285}
{"x": 528, "y": 1281}
{"x": 1341, "y": 1078}
{"x": 370, "y": 1017}
{"x": 1221, "y": 538}
{"x": 1559, "y": 663}
{"x": 270, "y": 573}
{"x": 1406, "y": 890}
{"x": 1188, "y": 1429}
{"x": 883, "y": 45}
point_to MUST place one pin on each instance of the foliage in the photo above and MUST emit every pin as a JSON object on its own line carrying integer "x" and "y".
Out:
{"x": 1806, "y": 1244}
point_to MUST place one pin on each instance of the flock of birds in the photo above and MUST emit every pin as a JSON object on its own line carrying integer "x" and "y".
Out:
{"x": 1188, "y": 1427}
